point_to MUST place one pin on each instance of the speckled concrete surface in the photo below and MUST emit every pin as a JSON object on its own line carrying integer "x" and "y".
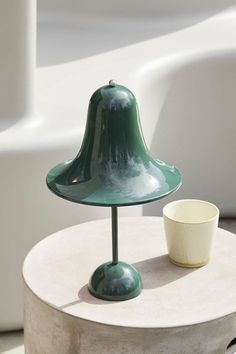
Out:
{"x": 57, "y": 321}
{"x": 12, "y": 343}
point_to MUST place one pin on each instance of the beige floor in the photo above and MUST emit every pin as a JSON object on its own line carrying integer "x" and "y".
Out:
{"x": 12, "y": 343}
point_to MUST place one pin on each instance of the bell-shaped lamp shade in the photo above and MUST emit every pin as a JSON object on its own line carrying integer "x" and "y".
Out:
{"x": 113, "y": 166}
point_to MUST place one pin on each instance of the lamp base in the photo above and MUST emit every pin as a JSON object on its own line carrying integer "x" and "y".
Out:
{"x": 115, "y": 282}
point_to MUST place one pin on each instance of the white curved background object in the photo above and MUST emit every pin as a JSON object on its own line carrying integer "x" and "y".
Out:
{"x": 192, "y": 103}
{"x": 178, "y": 60}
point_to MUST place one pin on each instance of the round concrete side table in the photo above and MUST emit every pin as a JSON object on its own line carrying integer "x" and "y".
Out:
{"x": 180, "y": 310}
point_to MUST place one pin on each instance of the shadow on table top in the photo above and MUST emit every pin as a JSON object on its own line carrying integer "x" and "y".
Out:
{"x": 159, "y": 271}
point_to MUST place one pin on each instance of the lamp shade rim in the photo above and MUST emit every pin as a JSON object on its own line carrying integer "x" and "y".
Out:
{"x": 122, "y": 201}
{"x": 113, "y": 166}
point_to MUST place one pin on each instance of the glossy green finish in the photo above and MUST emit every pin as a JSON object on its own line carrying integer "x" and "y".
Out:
{"x": 114, "y": 222}
{"x": 113, "y": 166}
{"x": 115, "y": 282}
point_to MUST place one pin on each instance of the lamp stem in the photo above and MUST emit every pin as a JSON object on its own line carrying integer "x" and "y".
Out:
{"x": 114, "y": 235}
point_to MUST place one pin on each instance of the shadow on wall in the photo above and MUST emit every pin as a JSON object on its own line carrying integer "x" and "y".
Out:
{"x": 11, "y": 340}
{"x": 196, "y": 131}
{"x": 80, "y": 29}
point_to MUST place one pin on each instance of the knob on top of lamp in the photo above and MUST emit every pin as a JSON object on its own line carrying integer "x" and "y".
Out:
{"x": 114, "y": 166}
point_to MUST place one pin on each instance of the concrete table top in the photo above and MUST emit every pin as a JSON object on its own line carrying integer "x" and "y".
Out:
{"x": 58, "y": 268}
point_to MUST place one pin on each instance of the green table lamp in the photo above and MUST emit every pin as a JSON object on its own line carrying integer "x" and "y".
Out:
{"x": 113, "y": 168}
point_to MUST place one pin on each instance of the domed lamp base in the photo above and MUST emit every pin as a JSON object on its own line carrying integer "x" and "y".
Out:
{"x": 115, "y": 282}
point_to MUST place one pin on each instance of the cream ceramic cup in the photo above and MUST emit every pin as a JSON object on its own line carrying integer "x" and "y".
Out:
{"x": 190, "y": 227}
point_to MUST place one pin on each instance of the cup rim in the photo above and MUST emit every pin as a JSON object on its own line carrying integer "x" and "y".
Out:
{"x": 191, "y": 222}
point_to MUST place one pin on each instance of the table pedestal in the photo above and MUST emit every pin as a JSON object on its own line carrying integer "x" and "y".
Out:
{"x": 179, "y": 311}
